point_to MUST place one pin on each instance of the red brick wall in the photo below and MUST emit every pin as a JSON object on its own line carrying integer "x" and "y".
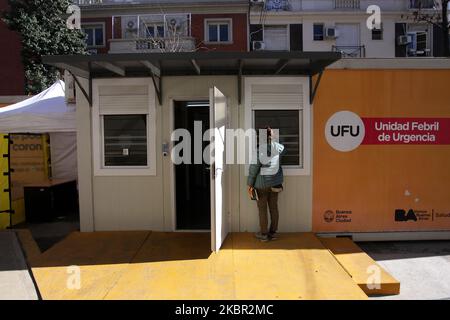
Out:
{"x": 239, "y": 32}
{"x": 12, "y": 76}
{"x": 108, "y": 30}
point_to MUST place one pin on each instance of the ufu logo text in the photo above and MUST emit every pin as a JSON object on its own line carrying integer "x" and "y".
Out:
{"x": 345, "y": 131}
{"x": 342, "y": 130}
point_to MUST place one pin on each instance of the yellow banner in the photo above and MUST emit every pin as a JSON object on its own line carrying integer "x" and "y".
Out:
{"x": 4, "y": 183}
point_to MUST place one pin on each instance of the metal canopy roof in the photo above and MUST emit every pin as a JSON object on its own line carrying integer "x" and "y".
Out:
{"x": 158, "y": 65}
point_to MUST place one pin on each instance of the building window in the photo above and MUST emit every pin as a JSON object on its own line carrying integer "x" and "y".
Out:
{"x": 154, "y": 30}
{"x": 124, "y": 127}
{"x": 318, "y": 31}
{"x": 377, "y": 34}
{"x": 282, "y": 103}
{"x": 95, "y": 35}
{"x": 218, "y": 31}
{"x": 288, "y": 124}
{"x": 125, "y": 140}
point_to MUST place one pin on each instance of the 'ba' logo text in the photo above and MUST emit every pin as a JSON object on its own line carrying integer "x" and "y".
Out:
{"x": 402, "y": 215}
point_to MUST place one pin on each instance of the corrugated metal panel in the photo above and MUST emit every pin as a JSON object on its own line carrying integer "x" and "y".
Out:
{"x": 280, "y": 96}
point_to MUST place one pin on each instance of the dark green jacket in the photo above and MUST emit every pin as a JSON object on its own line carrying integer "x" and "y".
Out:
{"x": 270, "y": 174}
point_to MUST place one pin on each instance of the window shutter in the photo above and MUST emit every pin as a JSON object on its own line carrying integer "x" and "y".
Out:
{"x": 123, "y": 100}
{"x": 296, "y": 37}
{"x": 275, "y": 37}
{"x": 279, "y": 96}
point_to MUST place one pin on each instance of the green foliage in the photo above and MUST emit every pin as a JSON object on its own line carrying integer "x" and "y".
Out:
{"x": 43, "y": 30}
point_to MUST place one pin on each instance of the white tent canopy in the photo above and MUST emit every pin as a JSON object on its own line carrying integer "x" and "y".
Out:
{"x": 46, "y": 112}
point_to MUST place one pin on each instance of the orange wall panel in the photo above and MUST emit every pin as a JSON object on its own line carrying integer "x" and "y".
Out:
{"x": 360, "y": 190}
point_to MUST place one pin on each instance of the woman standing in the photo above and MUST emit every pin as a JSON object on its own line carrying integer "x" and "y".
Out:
{"x": 266, "y": 177}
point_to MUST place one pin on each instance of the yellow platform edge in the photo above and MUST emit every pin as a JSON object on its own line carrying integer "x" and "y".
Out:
{"x": 361, "y": 267}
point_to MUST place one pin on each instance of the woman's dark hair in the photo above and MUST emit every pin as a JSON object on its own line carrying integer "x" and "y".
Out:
{"x": 269, "y": 132}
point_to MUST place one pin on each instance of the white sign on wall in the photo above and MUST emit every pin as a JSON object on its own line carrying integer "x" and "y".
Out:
{"x": 345, "y": 131}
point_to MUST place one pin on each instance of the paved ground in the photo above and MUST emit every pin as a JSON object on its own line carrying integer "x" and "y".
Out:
{"x": 423, "y": 267}
{"x": 151, "y": 265}
{"x": 49, "y": 233}
{"x": 15, "y": 280}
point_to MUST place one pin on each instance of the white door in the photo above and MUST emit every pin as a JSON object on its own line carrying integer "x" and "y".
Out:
{"x": 348, "y": 40}
{"x": 218, "y": 122}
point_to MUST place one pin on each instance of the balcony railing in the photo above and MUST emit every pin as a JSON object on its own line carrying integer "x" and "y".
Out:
{"x": 87, "y": 2}
{"x": 350, "y": 51}
{"x": 152, "y": 33}
{"x": 149, "y": 25}
{"x": 145, "y": 45}
{"x": 347, "y": 4}
{"x": 423, "y": 4}
{"x": 278, "y": 5}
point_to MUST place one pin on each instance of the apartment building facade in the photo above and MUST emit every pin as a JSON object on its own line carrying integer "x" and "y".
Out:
{"x": 119, "y": 26}
{"x": 341, "y": 25}
{"x": 168, "y": 26}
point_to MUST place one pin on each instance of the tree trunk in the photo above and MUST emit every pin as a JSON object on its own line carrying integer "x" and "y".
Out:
{"x": 445, "y": 28}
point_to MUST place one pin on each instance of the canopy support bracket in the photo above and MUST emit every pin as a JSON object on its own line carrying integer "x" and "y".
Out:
{"x": 88, "y": 96}
{"x": 158, "y": 87}
{"x": 313, "y": 91}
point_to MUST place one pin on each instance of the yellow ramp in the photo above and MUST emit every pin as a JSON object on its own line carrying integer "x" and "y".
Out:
{"x": 181, "y": 266}
{"x": 99, "y": 259}
{"x": 296, "y": 266}
{"x": 156, "y": 265}
{"x": 369, "y": 276}
{"x": 172, "y": 266}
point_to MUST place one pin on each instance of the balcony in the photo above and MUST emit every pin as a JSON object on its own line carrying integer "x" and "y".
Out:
{"x": 347, "y": 4}
{"x": 350, "y": 51}
{"x": 152, "y": 33}
{"x": 87, "y": 2}
{"x": 422, "y": 4}
{"x": 146, "y": 45}
{"x": 278, "y": 5}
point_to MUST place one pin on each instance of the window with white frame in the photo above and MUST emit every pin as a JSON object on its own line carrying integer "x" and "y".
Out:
{"x": 288, "y": 124}
{"x": 95, "y": 35}
{"x": 125, "y": 140}
{"x": 218, "y": 31}
{"x": 124, "y": 127}
{"x": 282, "y": 104}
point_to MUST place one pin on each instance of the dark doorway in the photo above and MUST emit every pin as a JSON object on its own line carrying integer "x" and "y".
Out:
{"x": 192, "y": 191}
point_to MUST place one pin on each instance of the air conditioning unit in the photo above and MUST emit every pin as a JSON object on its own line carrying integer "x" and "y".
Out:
{"x": 258, "y": 45}
{"x": 418, "y": 44}
{"x": 257, "y": 2}
{"x": 404, "y": 40}
{"x": 331, "y": 33}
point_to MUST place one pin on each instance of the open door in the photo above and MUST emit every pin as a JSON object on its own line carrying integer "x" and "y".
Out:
{"x": 218, "y": 123}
